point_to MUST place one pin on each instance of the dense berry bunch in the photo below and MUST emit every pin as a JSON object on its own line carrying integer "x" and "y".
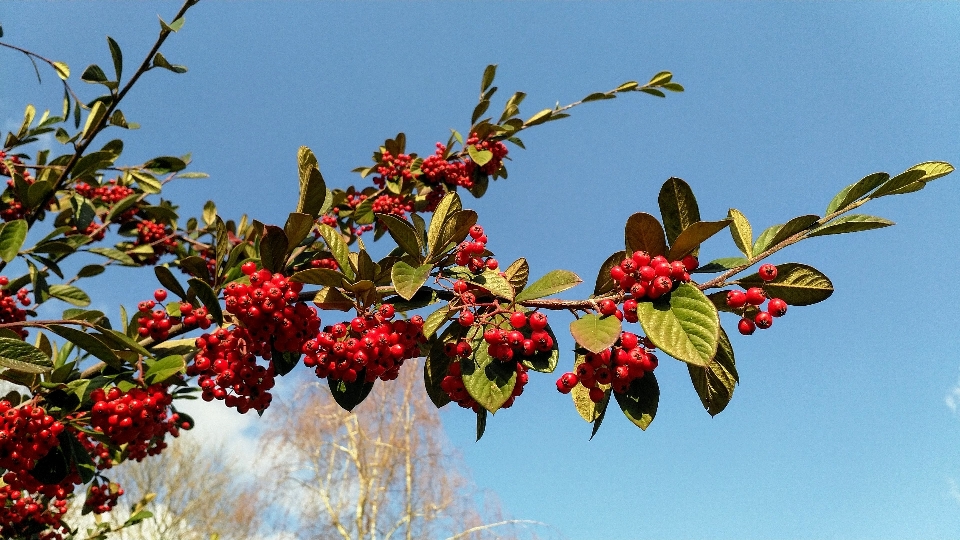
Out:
{"x": 27, "y": 515}
{"x": 393, "y": 168}
{"x": 453, "y": 385}
{"x": 102, "y": 497}
{"x": 227, "y": 370}
{"x": 629, "y": 359}
{"x": 747, "y": 304}
{"x": 156, "y": 323}
{"x": 139, "y": 418}
{"x": 96, "y": 231}
{"x": 157, "y": 235}
{"x": 27, "y": 434}
{"x": 470, "y": 252}
{"x": 397, "y": 205}
{"x": 497, "y": 148}
{"x": 329, "y": 263}
{"x": 374, "y": 346}
{"x": 437, "y": 169}
{"x": 526, "y": 336}
{"x": 9, "y": 311}
{"x": 649, "y": 278}
{"x": 270, "y": 310}
{"x": 11, "y": 208}
{"x": 107, "y": 195}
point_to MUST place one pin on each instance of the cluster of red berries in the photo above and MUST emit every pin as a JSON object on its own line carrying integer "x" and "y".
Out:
{"x": 470, "y": 253}
{"x": 108, "y": 194}
{"x": 26, "y": 515}
{"x": 751, "y": 300}
{"x": 526, "y": 336}
{"x": 227, "y": 370}
{"x": 397, "y": 205}
{"x": 102, "y": 497}
{"x": 96, "y": 231}
{"x": 156, "y": 323}
{"x": 497, "y": 148}
{"x": 330, "y": 263}
{"x": 617, "y": 366}
{"x": 270, "y": 309}
{"x": 139, "y": 418}
{"x": 157, "y": 235}
{"x": 331, "y": 221}
{"x": 375, "y": 346}
{"x": 453, "y": 385}
{"x": 438, "y": 170}
{"x": 649, "y": 278}
{"x": 393, "y": 168}
{"x": 9, "y": 311}
{"x": 27, "y": 434}
{"x": 12, "y": 208}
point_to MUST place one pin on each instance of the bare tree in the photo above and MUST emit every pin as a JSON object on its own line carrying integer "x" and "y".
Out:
{"x": 383, "y": 472}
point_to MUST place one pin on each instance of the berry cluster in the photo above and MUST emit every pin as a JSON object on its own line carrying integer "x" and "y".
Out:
{"x": 526, "y": 337}
{"x": 330, "y": 263}
{"x": 156, "y": 323}
{"x": 26, "y": 515}
{"x": 96, "y": 231}
{"x": 374, "y": 346}
{"x": 748, "y": 304}
{"x": 102, "y": 497}
{"x": 629, "y": 359}
{"x": 108, "y": 195}
{"x": 157, "y": 235}
{"x": 497, "y": 148}
{"x": 11, "y": 208}
{"x": 397, "y": 205}
{"x": 453, "y": 385}
{"x": 27, "y": 434}
{"x": 649, "y": 278}
{"x": 470, "y": 253}
{"x": 438, "y": 170}
{"x": 138, "y": 418}
{"x": 270, "y": 310}
{"x": 9, "y": 311}
{"x": 393, "y": 168}
{"x": 228, "y": 370}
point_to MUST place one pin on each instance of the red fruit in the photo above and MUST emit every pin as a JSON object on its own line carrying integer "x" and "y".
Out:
{"x": 460, "y": 286}
{"x": 617, "y": 273}
{"x": 492, "y": 264}
{"x": 466, "y": 318}
{"x": 358, "y": 324}
{"x": 662, "y": 285}
{"x": 387, "y": 311}
{"x": 746, "y": 327}
{"x": 160, "y": 295}
{"x": 476, "y": 232}
{"x": 690, "y": 263}
{"x": 248, "y": 268}
{"x": 608, "y": 307}
{"x": 768, "y": 272}
{"x": 677, "y": 270}
{"x": 518, "y": 319}
{"x": 647, "y": 273}
{"x": 566, "y": 382}
{"x": 596, "y": 395}
{"x": 628, "y": 340}
{"x": 777, "y": 307}
{"x": 756, "y": 296}
{"x": 491, "y": 335}
{"x": 537, "y": 321}
{"x": 642, "y": 258}
{"x": 736, "y": 299}
{"x": 649, "y": 362}
{"x": 764, "y": 320}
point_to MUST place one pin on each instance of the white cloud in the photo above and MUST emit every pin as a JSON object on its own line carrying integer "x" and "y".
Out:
{"x": 952, "y": 399}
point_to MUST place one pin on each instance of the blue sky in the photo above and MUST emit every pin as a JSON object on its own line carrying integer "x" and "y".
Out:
{"x": 841, "y": 427}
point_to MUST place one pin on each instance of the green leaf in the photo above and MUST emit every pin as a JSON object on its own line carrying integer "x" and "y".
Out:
{"x": 660, "y": 78}
{"x": 165, "y": 164}
{"x": 933, "y": 170}
{"x": 454, "y": 230}
{"x": 686, "y": 326}
{"x": 208, "y": 298}
{"x": 313, "y": 190}
{"x": 851, "y": 223}
{"x": 690, "y": 239}
{"x": 332, "y": 298}
{"x": 435, "y": 320}
{"x": 407, "y": 280}
{"x": 596, "y": 333}
{"x": 97, "y": 112}
{"x": 493, "y": 282}
{"x": 544, "y": 362}
{"x": 349, "y": 395}
{"x": 339, "y": 249}
{"x": 114, "y": 254}
{"x": 175, "y": 26}
{"x": 488, "y": 75}
{"x": 790, "y": 228}
{"x": 586, "y": 408}
{"x": 448, "y": 205}
{"x": 796, "y": 284}
{"x": 12, "y": 235}
{"x": 898, "y": 182}
{"x": 480, "y": 157}
{"x": 639, "y": 402}
{"x": 319, "y": 276}
{"x": 63, "y": 70}
{"x": 741, "y": 232}
{"x": 166, "y": 278}
{"x": 209, "y": 213}
{"x": 121, "y": 340}
{"x": 605, "y": 283}
{"x": 644, "y": 233}
{"x": 147, "y": 182}
{"x": 517, "y": 274}
{"x": 91, "y": 270}
{"x": 552, "y": 283}
{"x": 94, "y": 74}
{"x": 117, "y": 56}
{"x": 88, "y": 343}
{"x": 70, "y": 295}
{"x": 488, "y": 381}
{"x": 678, "y": 207}
{"x": 23, "y": 357}
{"x": 721, "y": 265}
{"x": 716, "y": 381}
{"x": 363, "y": 213}
{"x": 404, "y": 234}
{"x": 481, "y": 423}
{"x": 162, "y": 369}
{"x": 856, "y": 190}
{"x": 273, "y": 248}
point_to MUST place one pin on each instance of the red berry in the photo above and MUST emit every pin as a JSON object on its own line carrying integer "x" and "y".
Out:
{"x": 777, "y": 307}
{"x": 492, "y": 264}
{"x": 160, "y": 295}
{"x": 518, "y": 319}
{"x": 642, "y": 258}
{"x": 566, "y": 382}
{"x": 768, "y": 272}
{"x": 387, "y": 311}
{"x": 764, "y": 320}
{"x": 596, "y": 395}
{"x": 690, "y": 263}
{"x": 617, "y": 273}
{"x": 538, "y": 321}
{"x": 476, "y": 232}
{"x": 746, "y": 327}
{"x": 756, "y": 296}
{"x": 628, "y": 340}
{"x": 736, "y": 299}
{"x": 466, "y": 318}
{"x": 249, "y": 268}
{"x": 460, "y": 286}
{"x": 608, "y": 307}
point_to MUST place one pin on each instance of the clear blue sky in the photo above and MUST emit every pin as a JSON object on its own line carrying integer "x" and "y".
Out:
{"x": 840, "y": 428}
